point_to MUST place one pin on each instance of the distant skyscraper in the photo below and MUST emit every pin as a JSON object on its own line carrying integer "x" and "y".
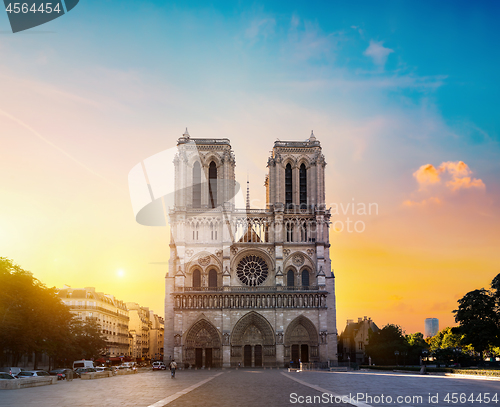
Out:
{"x": 431, "y": 326}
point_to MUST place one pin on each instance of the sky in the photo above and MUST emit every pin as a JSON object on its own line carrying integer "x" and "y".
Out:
{"x": 402, "y": 95}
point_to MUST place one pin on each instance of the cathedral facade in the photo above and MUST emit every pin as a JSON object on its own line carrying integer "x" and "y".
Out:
{"x": 245, "y": 286}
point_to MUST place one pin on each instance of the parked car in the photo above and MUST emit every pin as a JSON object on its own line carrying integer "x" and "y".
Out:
{"x": 159, "y": 366}
{"x": 82, "y": 363}
{"x": 32, "y": 373}
{"x": 81, "y": 370}
{"x": 6, "y": 376}
{"x": 61, "y": 374}
{"x": 11, "y": 370}
{"x": 105, "y": 369}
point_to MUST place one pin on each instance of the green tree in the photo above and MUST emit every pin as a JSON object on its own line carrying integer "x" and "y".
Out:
{"x": 416, "y": 344}
{"x": 478, "y": 319}
{"x": 383, "y": 344}
{"x": 33, "y": 319}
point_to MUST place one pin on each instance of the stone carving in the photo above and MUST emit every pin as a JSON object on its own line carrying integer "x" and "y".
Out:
{"x": 286, "y": 252}
{"x": 218, "y": 253}
{"x": 298, "y": 259}
{"x": 279, "y": 338}
{"x": 225, "y": 338}
{"x": 234, "y": 250}
{"x": 177, "y": 340}
{"x": 310, "y": 252}
{"x": 322, "y": 337}
{"x": 189, "y": 252}
{"x": 204, "y": 261}
{"x": 270, "y": 250}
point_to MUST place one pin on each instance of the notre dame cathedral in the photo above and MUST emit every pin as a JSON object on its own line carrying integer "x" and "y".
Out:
{"x": 245, "y": 286}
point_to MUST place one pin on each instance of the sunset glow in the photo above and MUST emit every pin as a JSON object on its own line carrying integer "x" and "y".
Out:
{"x": 408, "y": 127}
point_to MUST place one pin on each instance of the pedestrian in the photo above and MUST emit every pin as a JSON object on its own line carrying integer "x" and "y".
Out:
{"x": 172, "y": 367}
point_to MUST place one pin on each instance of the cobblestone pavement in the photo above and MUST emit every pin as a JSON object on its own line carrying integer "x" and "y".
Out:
{"x": 254, "y": 387}
{"x": 248, "y": 388}
{"x": 415, "y": 388}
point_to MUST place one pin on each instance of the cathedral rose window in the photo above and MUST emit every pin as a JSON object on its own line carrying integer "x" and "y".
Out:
{"x": 252, "y": 270}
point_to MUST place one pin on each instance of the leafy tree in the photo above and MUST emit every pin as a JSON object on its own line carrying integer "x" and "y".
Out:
{"x": 478, "y": 319}
{"x": 383, "y": 344}
{"x": 417, "y": 344}
{"x": 33, "y": 319}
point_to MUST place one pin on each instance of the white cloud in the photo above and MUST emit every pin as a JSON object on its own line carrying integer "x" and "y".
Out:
{"x": 378, "y": 52}
{"x": 262, "y": 27}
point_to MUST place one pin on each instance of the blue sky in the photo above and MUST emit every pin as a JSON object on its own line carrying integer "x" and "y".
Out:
{"x": 387, "y": 86}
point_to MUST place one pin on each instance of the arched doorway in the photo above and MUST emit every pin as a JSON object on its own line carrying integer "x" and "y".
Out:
{"x": 203, "y": 345}
{"x": 253, "y": 342}
{"x": 301, "y": 341}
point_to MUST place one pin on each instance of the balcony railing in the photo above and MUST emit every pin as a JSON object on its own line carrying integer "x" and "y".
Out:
{"x": 96, "y": 308}
{"x": 245, "y": 289}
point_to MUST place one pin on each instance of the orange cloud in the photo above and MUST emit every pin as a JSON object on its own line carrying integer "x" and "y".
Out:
{"x": 465, "y": 182}
{"x": 431, "y": 200}
{"x": 427, "y": 174}
{"x": 458, "y": 171}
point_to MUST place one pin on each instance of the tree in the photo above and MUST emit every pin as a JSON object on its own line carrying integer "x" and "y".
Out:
{"x": 33, "y": 319}
{"x": 417, "y": 344}
{"x": 478, "y": 319}
{"x": 383, "y": 344}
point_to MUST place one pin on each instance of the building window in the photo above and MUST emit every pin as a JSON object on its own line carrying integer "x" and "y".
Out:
{"x": 196, "y": 278}
{"x": 290, "y": 278}
{"x": 196, "y": 185}
{"x": 360, "y": 346}
{"x": 288, "y": 186}
{"x": 305, "y": 278}
{"x": 212, "y": 184}
{"x": 303, "y": 186}
{"x": 212, "y": 278}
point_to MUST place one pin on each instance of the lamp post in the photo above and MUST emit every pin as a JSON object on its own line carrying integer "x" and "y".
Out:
{"x": 396, "y": 353}
{"x": 423, "y": 369}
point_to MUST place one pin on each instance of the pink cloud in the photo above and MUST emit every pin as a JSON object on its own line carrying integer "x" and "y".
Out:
{"x": 457, "y": 172}
{"x": 429, "y": 201}
{"x": 427, "y": 174}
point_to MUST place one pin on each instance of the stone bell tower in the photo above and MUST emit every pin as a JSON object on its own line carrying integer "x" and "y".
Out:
{"x": 245, "y": 286}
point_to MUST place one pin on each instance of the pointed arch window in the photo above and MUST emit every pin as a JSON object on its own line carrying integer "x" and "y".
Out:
{"x": 196, "y": 185}
{"x": 303, "y": 186}
{"x": 290, "y": 278}
{"x": 305, "y": 278}
{"x": 212, "y": 185}
{"x": 288, "y": 186}
{"x": 196, "y": 278}
{"x": 212, "y": 278}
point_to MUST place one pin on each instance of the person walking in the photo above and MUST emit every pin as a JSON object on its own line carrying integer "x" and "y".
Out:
{"x": 172, "y": 367}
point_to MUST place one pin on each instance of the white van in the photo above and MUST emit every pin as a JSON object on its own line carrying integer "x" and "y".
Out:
{"x": 82, "y": 363}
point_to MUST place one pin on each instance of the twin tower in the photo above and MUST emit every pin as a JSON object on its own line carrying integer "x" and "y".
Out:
{"x": 245, "y": 286}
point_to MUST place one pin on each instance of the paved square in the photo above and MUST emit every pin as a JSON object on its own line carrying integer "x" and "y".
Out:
{"x": 256, "y": 387}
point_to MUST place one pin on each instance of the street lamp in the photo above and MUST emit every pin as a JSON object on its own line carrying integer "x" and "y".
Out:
{"x": 396, "y": 353}
{"x": 423, "y": 369}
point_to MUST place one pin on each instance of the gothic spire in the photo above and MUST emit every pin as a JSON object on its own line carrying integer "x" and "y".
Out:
{"x": 248, "y": 193}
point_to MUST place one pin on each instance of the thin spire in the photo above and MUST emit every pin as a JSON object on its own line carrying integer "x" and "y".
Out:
{"x": 186, "y": 133}
{"x": 248, "y": 193}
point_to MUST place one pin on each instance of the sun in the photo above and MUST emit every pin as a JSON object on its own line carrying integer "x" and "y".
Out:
{"x": 120, "y": 273}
